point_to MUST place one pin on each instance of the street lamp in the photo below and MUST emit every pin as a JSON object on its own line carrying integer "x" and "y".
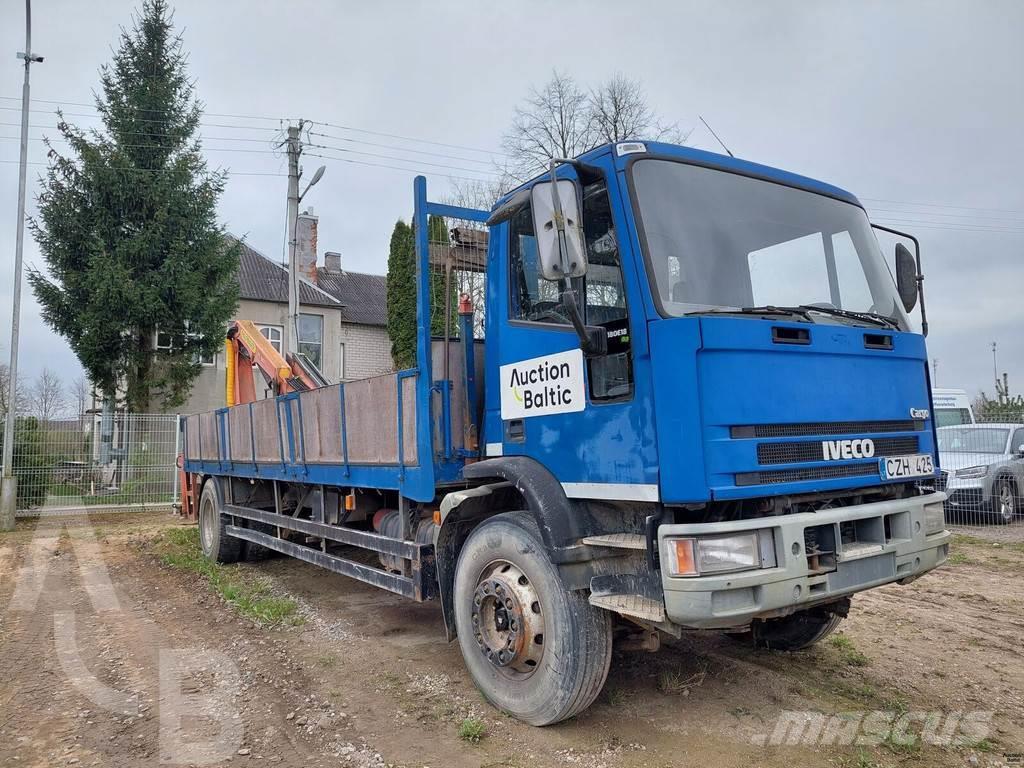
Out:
{"x": 293, "y": 272}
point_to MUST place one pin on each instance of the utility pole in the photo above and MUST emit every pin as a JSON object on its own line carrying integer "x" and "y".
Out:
{"x": 935, "y": 372}
{"x": 294, "y": 150}
{"x": 995, "y": 370}
{"x": 8, "y": 483}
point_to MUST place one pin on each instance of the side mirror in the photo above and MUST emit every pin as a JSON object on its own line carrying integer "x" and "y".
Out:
{"x": 1020, "y": 451}
{"x": 557, "y": 262}
{"x": 906, "y": 276}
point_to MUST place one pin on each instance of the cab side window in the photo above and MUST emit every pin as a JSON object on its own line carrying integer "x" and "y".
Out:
{"x": 611, "y": 376}
{"x": 601, "y": 292}
{"x": 532, "y": 297}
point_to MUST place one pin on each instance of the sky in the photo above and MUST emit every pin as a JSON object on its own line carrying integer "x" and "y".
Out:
{"x": 915, "y": 107}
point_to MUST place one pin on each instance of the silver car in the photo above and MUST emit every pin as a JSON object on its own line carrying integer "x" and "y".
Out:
{"x": 983, "y": 469}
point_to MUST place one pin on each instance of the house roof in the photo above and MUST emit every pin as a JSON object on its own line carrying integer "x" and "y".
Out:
{"x": 260, "y": 279}
{"x": 364, "y": 298}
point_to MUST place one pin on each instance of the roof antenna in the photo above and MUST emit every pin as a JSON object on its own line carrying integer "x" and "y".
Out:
{"x": 716, "y": 136}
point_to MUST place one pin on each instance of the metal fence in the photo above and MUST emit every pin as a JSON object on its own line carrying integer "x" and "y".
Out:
{"x": 94, "y": 462}
{"x": 982, "y": 467}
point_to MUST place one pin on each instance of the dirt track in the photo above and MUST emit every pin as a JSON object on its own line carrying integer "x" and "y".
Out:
{"x": 115, "y": 672}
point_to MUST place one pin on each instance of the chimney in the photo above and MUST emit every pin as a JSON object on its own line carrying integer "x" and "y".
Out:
{"x": 332, "y": 261}
{"x": 305, "y": 245}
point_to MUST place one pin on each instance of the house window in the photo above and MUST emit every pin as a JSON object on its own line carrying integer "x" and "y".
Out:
{"x": 163, "y": 340}
{"x": 273, "y": 334}
{"x": 166, "y": 342}
{"x": 311, "y": 338}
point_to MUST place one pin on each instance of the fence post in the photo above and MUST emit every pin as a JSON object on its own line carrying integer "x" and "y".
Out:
{"x": 177, "y": 453}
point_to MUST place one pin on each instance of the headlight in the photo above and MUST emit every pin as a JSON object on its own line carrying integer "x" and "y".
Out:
{"x": 934, "y": 519}
{"x": 969, "y": 472}
{"x": 694, "y": 556}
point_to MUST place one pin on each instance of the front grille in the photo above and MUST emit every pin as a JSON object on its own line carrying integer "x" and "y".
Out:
{"x": 791, "y": 453}
{"x": 774, "y": 476}
{"x": 825, "y": 428}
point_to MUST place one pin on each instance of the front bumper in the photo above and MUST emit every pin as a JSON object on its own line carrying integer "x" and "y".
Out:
{"x": 971, "y": 494}
{"x": 893, "y": 548}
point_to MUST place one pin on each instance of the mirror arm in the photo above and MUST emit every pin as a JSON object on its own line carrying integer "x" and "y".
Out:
{"x": 593, "y": 338}
{"x": 919, "y": 277}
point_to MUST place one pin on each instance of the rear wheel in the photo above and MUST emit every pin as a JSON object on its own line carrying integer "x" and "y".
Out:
{"x": 215, "y": 542}
{"x": 534, "y": 649}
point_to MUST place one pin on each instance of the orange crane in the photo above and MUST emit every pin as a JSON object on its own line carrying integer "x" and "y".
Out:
{"x": 247, "y": 350}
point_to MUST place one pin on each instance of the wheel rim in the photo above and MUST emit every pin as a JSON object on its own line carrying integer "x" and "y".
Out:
{"x": 508, "y": 621}
{"x": 1007, "y": 503}
{"x": 207, "y": 520}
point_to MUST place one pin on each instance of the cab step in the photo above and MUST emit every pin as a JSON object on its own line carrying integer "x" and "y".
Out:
{"x": 637, "y": 606}
{"x": 618, "y": 541}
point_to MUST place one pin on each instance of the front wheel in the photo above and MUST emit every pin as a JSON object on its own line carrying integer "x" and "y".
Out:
{"x": 534, "y": 649}
{"x": 1006, "y": 500}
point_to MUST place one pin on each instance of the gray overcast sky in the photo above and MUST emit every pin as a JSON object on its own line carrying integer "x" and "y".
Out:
{"x": 915, "y": 103}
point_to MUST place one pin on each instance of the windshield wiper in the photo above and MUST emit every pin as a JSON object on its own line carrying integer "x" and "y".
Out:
{"x": 765, "y": 310}
{"x": 867, "y": 317}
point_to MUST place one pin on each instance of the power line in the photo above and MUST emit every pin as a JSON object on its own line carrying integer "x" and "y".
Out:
{"x": 940, "y": 205}
{"x": 400, "y": 149}
{"x": 93, "y": 106}
{"x": 407, "y": 138}
{"x": 381, "y": 165}
{"x": 399, "y": 159}
{"x": 162, "y": 170}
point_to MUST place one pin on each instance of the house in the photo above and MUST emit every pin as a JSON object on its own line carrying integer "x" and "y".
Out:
{"x": 342, "y": 323}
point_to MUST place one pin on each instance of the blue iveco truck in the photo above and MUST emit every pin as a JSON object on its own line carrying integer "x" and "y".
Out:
{"x": 657, "y": 390}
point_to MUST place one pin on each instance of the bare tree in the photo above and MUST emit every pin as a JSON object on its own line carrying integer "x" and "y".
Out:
{"x": 20, "y": 396}
{"x": 48, "y": 396}
{"x": 80, "y": 394}
{"x": 563, "y": 120}
{"x": 619, "y": 111}
{"x": 553, "y": 121}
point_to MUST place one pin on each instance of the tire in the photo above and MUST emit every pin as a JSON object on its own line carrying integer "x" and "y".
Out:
{"x": 1005, "y": 500}
{"x": 545, "y": 658}
{"x": 794, "y": 632}
{"x": 215, "y": 542}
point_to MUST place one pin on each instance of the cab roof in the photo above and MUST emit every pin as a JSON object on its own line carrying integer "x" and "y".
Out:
{"x": 627, "y": 152}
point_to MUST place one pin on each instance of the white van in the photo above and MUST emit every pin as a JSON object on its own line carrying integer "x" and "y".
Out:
{"x": 952, "y": 407}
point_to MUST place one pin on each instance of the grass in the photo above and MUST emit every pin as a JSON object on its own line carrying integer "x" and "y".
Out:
{"x": 848, "y": 652}
{"x": 905, "y": 746}
{"x": 959, "y": 558}
{"x": 674, "y": 683}
{"x": 472, "y": 729}
{"x": 863, "y": 760}
{"x": 980, "y": 745}
{"x": 248, "y": 594}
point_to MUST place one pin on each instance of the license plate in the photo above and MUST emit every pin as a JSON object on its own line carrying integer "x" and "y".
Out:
{"x": 914, "y": 465}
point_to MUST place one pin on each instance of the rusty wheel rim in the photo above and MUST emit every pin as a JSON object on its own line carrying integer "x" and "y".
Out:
{"x": 508, "y": 621}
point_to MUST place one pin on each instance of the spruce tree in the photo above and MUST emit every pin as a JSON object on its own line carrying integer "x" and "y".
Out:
{"x": 401, "y": 287}
{"x": 127, "y": 227}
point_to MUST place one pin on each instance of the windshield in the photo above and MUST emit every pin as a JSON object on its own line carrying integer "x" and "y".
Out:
{"x": 721, "y": 240}
{"x": 972, "y": 440}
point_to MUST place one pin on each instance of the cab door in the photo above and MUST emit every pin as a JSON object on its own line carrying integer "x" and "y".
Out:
{"x": 578, "y": 417}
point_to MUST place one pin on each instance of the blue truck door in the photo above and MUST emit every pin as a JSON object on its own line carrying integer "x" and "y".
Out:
{"x": 577, "y": 417}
